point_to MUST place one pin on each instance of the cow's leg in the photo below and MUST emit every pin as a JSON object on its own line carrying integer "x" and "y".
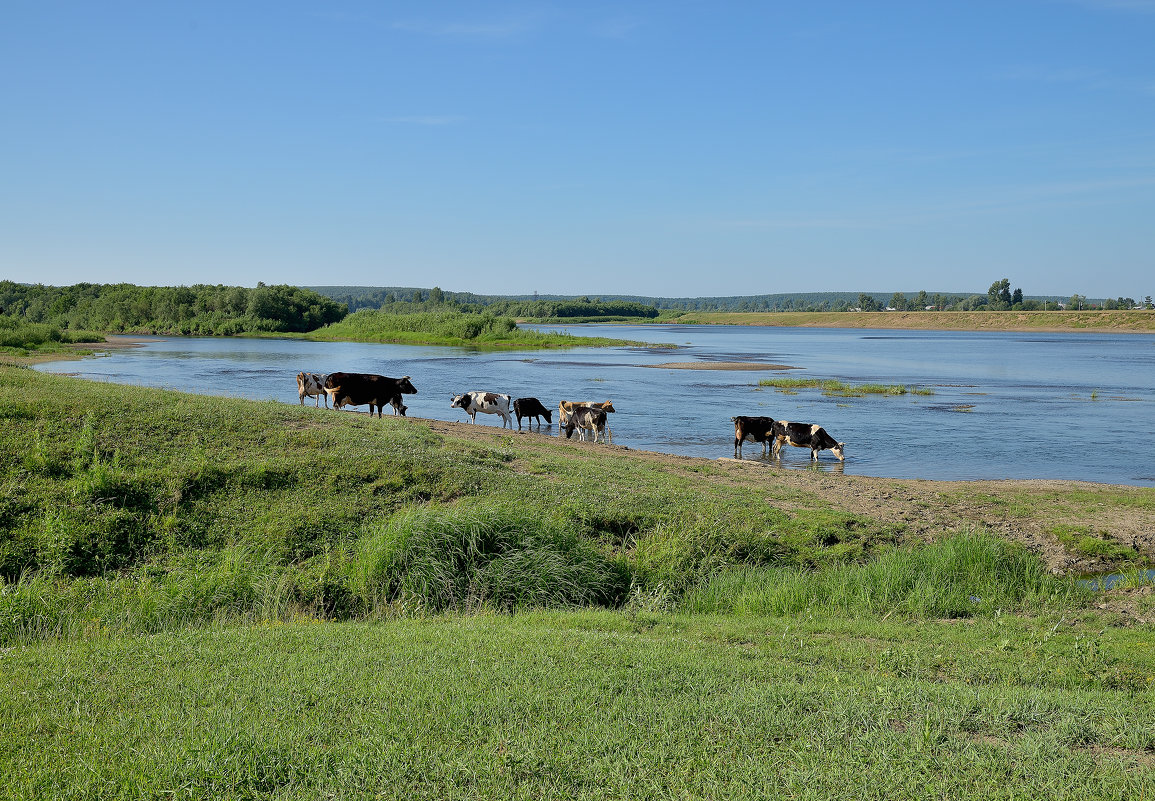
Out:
{"x": 814, "y": 454}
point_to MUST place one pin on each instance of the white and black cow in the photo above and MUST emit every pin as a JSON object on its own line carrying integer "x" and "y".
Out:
{"x": 487, "y": 402}
{"x": 755, "y": 429}
{"x": 531, "y": 408}
{"x": 312, "y": 384}
{"x": 805, "y": 435}
{"x": 565, "y": 407}
{"x": 587, "y": 419}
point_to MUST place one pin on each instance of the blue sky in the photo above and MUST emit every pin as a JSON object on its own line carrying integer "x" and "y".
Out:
{"x": 657, "y": 148}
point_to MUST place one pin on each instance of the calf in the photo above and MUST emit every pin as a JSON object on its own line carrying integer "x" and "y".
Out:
{"x": 312, "y": 384}
{"x": 587, "y": 418}
{"x": 805, "y": 435}
{"x": 531, "y": 408}
{"x": 354, "y": 389}
{"x": 755, "y": 429}
{"x": 487, "y": 402}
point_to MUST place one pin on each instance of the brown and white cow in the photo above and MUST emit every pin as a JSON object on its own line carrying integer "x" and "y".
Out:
{"x": 805, "y": 435}
{"x": 531, "y": 408}
{"x": 355, "y": 389}
{"x": 486, "y": 402}
{"x": 565, "y": 407}
{"x": 755, "y": 429}
{"x": 312, "y": 384}
{"x": 587, "y": 419}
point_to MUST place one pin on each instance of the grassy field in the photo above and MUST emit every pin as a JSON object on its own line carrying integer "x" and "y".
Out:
{"x": 448, "y": 328}
{"x": 1135, "y": 321}
{"x": 209, "y": 597}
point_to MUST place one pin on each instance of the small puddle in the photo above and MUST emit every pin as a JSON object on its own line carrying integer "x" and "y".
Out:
{"x": 1113, "y": 580}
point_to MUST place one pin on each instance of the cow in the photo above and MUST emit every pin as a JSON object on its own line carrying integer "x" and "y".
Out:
{"x": 312, "y": 384}
{"x": 587, "y": 418}
{"x": 487, "y": 402}
{"x": 805, "y": 435}
{"x": 755, "y": 429}
{"x": 355, "y": 389}
{"x": 565, "y": 407}
{"x": 531, "y": 408}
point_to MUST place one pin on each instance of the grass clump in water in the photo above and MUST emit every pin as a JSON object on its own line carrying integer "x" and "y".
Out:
{"x": 835, "y": 388}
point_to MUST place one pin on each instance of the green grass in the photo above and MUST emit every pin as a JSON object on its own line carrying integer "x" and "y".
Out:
{"x": 449, "y": 327}
{"x": 211, "y": 597}
{"x": 835, "y": 388}
{"x": 21, "y": 338}
{"x": 586, "y": 705}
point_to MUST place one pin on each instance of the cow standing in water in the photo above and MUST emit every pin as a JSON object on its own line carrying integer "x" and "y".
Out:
{"x": 755, "y": 429}
{"x": 805, "y": 435}
{"x": 587, "y": 419}
{"x": 531, "y": 408}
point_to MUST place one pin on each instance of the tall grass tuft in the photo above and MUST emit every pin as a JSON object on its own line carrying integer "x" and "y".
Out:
{"x": 489, "y": 555}
{"x": 964, "y": 576}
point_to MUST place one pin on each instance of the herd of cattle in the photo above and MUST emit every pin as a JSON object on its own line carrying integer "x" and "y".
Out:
{"x": 586, "y": 418}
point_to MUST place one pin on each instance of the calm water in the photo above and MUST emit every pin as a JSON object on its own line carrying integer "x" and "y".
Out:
{"x": 1005, "y": 405}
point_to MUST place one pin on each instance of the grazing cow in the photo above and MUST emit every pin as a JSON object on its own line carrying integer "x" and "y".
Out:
{"x": 488, "y": 402}
{"x": 755, "y": 429}
{"x": 565, "y": 407}
{"x": 587, "y": 418}
{"x": 354, "y": 389}
{"x": 531, "y": 408}
{"x": 312, "y": 384}
{"x": 805, "y": 435}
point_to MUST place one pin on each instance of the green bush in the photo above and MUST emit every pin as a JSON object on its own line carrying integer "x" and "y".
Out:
{"x": 463, "y": 557}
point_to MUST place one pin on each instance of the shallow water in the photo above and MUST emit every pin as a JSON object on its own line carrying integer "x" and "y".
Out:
{"x": 1005, "y": 405}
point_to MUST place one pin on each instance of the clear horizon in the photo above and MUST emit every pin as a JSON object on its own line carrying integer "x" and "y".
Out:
{"x": 665, "y": 149}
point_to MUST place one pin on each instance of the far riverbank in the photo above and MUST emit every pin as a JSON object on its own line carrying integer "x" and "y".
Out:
{"x": 1115, "y": 322}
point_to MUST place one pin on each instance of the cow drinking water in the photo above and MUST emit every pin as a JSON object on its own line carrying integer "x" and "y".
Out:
{"x": 805, "y": 435}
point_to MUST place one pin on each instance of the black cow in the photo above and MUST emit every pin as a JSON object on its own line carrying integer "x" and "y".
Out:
{"x": 531, "y": 408}
{"x": 755, "y": 429}
{"x": 805, "y": 435}
{"x": 355, "y": 389}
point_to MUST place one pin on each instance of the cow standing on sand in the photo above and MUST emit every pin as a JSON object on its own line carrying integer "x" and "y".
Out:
{"x": 755, "y": 429}
{"x": 587, "y": 419}
{"x": 486, "y": 402}
{"x": 531, "y": 408}
{"x": 312, "y": 384}
{"x": 805, "y": 435}
{"x": 355, "y": 389}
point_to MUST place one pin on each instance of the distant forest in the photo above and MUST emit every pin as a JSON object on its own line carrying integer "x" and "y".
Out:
{"x": 191, "y": 310}
{"x": 998, "y": 297}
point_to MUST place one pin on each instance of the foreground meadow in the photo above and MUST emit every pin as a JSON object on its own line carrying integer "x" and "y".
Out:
{"x": 208, "y": 597}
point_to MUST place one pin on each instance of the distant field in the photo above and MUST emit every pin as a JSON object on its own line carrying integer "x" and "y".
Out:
{"x": 1106, "y": 321}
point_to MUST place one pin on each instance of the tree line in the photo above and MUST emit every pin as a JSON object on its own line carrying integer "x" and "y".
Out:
{"x": 189, "y": 310}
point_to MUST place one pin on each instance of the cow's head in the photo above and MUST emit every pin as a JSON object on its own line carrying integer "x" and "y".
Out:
{"x": 569, "y": 427}
{"x": 548, "y": 415}
{"x": 608, "y": 406}
{"x": 406, "y": 386}
{"x": 839, "y": 450}
{"x": 459, "y": 402}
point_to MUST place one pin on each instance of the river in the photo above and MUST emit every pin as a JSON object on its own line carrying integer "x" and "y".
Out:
{"x": 1004, "y": 404}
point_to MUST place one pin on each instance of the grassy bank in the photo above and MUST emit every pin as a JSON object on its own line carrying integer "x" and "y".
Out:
{"x": 1135, "y": 321}
{"x": 448, "y": 328}
{"x": 343, "y": 607}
